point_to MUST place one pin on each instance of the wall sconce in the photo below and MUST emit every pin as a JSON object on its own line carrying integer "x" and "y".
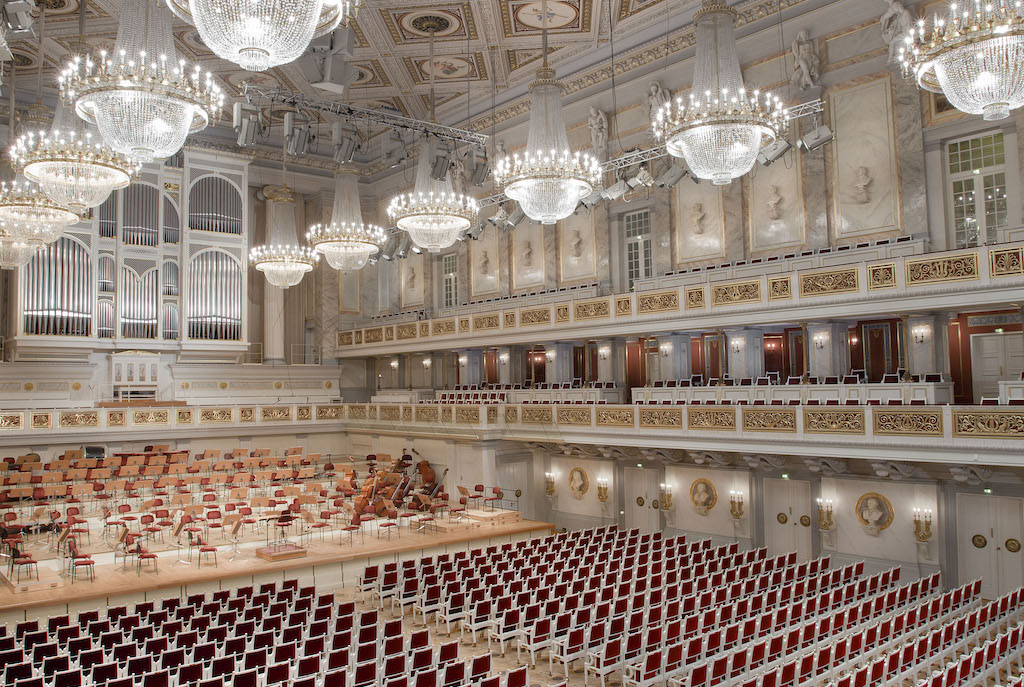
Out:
{"x": 503, "y": 358}
{"x": 550, "y": 355}
{"x": 736, "y": 345}
{"x": 462, "y": 360}
{"x": 920, "y": 333}
{"x": 736, "y": 505}
{"x": 394, "y": 364}
{"x": 826, "y": 517}
{"x": 771, "y": 346}
{"x": 603, "y": 352}
{"x": 853, "y": 340}
{"x": 549, "y": 483}
{"x": 923, "y": 525}
{"x": 602, "y": 490}
{"x": 819, "y": 341}
{"x": 427, "y": 363}
{"x": 666, "y": 496}
{"x": 665, "y": 349}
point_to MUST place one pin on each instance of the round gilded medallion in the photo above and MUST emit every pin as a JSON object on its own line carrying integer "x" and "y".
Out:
{"x": 519, "y": 492}
{"x": 501, "y": 494}
{"x": 640, "y": 501}
{"x": 277, "y": 385}
{"x": 76, "y": 386}
{"x": 805, "y": 520}
{"x": 223, "y": 385}
{"x": 979, "y": 541}
{"x": 1012, "y": 545}
{"x": 655, "y": 504}
{"x": 328, "y": 384}
{"x": 29, "y": 386}
{"x": 782, "y": 518}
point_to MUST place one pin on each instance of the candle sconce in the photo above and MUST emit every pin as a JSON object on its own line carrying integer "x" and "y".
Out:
{"x": 602, "y": 490}
{"x": 736, "y": 505}
{"x": 826, "y": 522}
{"x": 549, "y": 483}
{"x": 923, "y": 525}
{"x": 666, "y": 496}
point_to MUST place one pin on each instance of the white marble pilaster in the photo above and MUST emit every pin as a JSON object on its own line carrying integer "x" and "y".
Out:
{"x": 471, "y": 365}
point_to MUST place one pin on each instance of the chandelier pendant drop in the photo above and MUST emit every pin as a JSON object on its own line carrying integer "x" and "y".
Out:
{"x": 144, "y": 101}
{"x": 548, "y": 180}
{"x": 974, "y": 56}
{"x": 433, "y": 214}
{"x": 721, "y": 127}
{"x": 347, "y": 242}
{"x": 283, "y": 265}
{"x": 260, "y": 34}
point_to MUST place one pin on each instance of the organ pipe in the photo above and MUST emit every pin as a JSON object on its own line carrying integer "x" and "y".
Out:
{"x": 215, "y": 297}
{"x": 57, "y": 292}
{"x": 214, "y": 204}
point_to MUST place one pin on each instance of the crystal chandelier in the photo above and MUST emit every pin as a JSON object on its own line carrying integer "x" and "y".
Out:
{"x": 433, "y": 214}
{"x": 260, "y": 34}
{"x": 346, "y": 242}
{"x": 974, "y": 56}
{"x": 548, "y": 179}
{"x": 720, "y": 130}
{"x": 28, "y": 213}
{"x": 15, "y": 252}
{"x": 141, "y": 97}
{"x": 71, "y": 164}
{"x": 283, "y": 265}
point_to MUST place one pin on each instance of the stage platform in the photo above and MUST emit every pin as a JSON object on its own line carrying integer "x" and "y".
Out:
{"x": 340, "y": 561}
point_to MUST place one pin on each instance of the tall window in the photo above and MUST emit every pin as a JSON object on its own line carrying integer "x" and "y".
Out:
{"x": 639, "y": 261}
{"x": 977, "y": 188}
{"x": 450, "y": 280}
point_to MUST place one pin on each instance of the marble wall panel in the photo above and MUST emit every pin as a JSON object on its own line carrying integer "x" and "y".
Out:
{"x": 699, "y": 214}
{"x": 413, "y": 280}
{"x": 485, "y": 259}
{"x": 577, "y": 247}
{"x": 528, "y": 256}
{"x": 775, "y": 204}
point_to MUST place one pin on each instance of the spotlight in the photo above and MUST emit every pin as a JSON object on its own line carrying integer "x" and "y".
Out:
{"x": 818, "y": 137}
{"x": 245, "y": 120}
{"x": 774, "y": 151}
{"x": 397, "y": 155}
{"x": 474, "y": 231}
{"x": 19, "y": 18}
{"x": 593, "y": 199}
{"x": 616, "y": 190}
{"x": 441, "y": 163}
{"x": 345, "y": 138}
{"x": 672, "y": 176}
{"x": 498, "y": 217}
{"x": 296, "y": 131}
{"x": 515, "y": 218}
{"x": 326, "y": 65}
{"x": 403, "y": 247}
{"x": 641, "y": 178}
{"x": 387, "y": 252}
{"x": 477, "y": 167}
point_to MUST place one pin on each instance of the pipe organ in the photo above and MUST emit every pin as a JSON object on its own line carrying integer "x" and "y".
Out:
{"x": 160, "y": 263}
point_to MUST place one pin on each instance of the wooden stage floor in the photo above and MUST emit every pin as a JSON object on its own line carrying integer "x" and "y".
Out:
{"x": 112, "y": 581}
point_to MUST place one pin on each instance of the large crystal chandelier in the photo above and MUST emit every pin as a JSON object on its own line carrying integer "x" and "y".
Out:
{"x": 722, "y": 126}
{"x": 71, "y": 163}
{"x": 260, "y": 34}
{"x": 15, "y": 252}
{"x": 548, "y": 179}
{"x": 433, "y": 214}
{"x": 282, "y": 260}
{"x": 143, "y": 99}
{"x": 974, "y": 56}
{"x": 30, "y": 215}
{"x": 347, "y": 242}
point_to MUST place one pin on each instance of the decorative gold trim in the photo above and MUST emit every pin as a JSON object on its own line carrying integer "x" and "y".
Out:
{"x": 426, "y": 414}
{"x": 150, "y": 417}
{"x": 663, "y": 301}
{"x": 79, "y": 418}
{"x": 829, "y": 282}
{"x": 695, "y": 298}
{"x": 561, "y": 313}
{"x": 1004, "y": 424}
{"x": 184, "y": 416}
{"x": 116, "y": 418}
{"x": 721, "y": 419}
{"x": 509, "y": 318}
{"x": 407, "y": 413}
{"x": 389, "y": 413}
{"x": 615, "y": 417}
{"x": 389, "y": 333}
{"x": 535, "y": 416}
{"x": 906, "y": 422}
{"x": 373, "y": 335}
{"x": 511, "y": 414}
{"x": 882, "y": 276}
{"x": 463, "y": 324}
{"x": 467, "y": 415}
{"x": 486, "y": 322}
{"x": 406, "y": 331}
{"x": 597, "y": 309}
{"x": 942, "y": 270}
{"x": 247, "y": 414}
{"x": 330, "y": 412}
{"x": 446, "y": 415}
{"x": 574, "y": 416}
{"x": 275, "y": 413}
{"x": 833, "y": 421}
{"x": 359, "y": 336}
{"x": 769, "y": 420}
{"x": 1005, "y": 262}
{"x": 345, "y": 338}
{"x": 623, "y": 306}
{"x": 442, "y": 327}
{"x": 736, "y": 293}
{"x": 780, "y": 288}
{"x": 214, "y": 416}
{"x": 424, "y": 329}
{"x": 356, "y": 412}
{"x": 661, "y": 417}
{"x": 535, "y": 316}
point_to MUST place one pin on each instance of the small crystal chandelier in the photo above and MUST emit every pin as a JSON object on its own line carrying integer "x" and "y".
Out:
{"x": 548, "y": 180}
{"x": 283, "y": 265}
{"x": 974, "y": 56}
{"x": 141, "y": 97}
{"x": 16, "y": 252}
{"x": 71, "y": 164}
{"x": 720, "y": 130}
{"x": 29, "y": 214}
{"x": 260, "y": 34}
{"x": 433, "y": 214}
{"x": 346, "y": 242}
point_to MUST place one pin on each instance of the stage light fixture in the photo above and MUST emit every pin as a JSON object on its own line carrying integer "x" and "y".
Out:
{"x": 296, "y": 132}
{"x": 517, "y": 216}
{"x": 498, "y": 217}
{"x": 245, "y": 120}
{"x": 773, "y": 152}
{"x": 819, "y": 136}
{"x": 595, "y": 197}
{"x": 403, "y": 246}
{"x": 478, "y": 166}
{"x": 672, "y": 176}
{"x": 616, "y": 190}
{"x": 345, "y": 138}
{"x": 641, "y": 178}
{"x": 442, "y": 162}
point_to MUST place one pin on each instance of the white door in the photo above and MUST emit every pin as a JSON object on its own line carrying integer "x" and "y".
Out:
{"x": 990, "y": 530}
{"x": 641, "y": 491}
{"x": 786, "y": 503}
{"x": 513, "y": 479}
{"x": 995, "y": 357}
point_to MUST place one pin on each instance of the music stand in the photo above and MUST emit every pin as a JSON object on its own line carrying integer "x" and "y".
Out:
{"x": 235, "y": 527}
{"x": 176, "y": 535}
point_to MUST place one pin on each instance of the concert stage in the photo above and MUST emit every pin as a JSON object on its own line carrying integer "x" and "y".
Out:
{"x": 328, "y": 564}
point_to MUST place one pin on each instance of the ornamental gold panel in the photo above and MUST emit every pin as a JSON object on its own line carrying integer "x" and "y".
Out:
{"x": 721, "y": 419}
{"x": 736, "y": 293}
{"x": 942, "y": 270}
{"x": 39, "y": 420}
{"x": 424, "y": 329}
{"x": 79, "y": 418}
{"x": 373, "y": 335}
{"x": 882, "y": 276}
{"x": 438, "y": 327}
{"x": 116, "y": 418}
{"x": 467, "y": 415}
{"x": 661, "y": 417}
{"x": 663, "y": 301}
{"x": 247, "y": 415}
{"x": 1006, "y": 262}
{"x": 392, "y": 413}
{"x": 834, "y": 421}
{"x": 574, "y": 416}
{"x": 536, "y": 416}
{"x": 446, "y": 415}
{"x": 780, "y": 288}
{"x": 356, "y": 412}
{"x": 406, "y": 331}
{"x": 511, "y": 414}
{"x": 407, "y": 414}
{"x": 463, "y": 324}
{"x": 769, "y": 420}
{"x": 615, "y": 417}
{"x": 303, "y": 413}
{"x": 623, "y": 306}
{"x": 331, "y": 412}
{"x": 492, "y": 414}
{"x": 359, "y": 336}
{"x": 344, "y": 338}
{"x": 695, "y": 298}
{"x": 389, "y": 333}
{"x": 426, "y": 414}
{"x": 532, "y": 316}
{"x": 1002, "y": 424}
{"x": 827, "y": 283}
{"x": 150, "y": 417}
{"x": 213, "y": 416}
{"x": 561, "y": 313}
{"x": 275, "y": 413}
{"x": 184, "y": 416}
{"x": 597, "y": 309}
{"x": 509, "y": 319}
{"x": 906, "y": 422}
{"x": 486, "y": 322}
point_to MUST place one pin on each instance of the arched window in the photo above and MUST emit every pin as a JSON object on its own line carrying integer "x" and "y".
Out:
{"x": 172, "y": 279}
{"x": 138, "y": 304}
{"x": 214, "y": 297}
{"x": 141, "y": 215}
{"x": 215, "y": 204}
{"x": 57, "y": 290}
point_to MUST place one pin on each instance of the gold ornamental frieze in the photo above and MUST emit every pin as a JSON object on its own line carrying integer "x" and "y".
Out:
{"x": 463, "y": 324}
{"x": 38, "y": 420}
{"x": 511, "y": 414}
{"x": 942, "y": 270}
{"x": 407, "y": 414}
{"x": 389, "y": 413}
{"x": 79, "y": 418}
{"x": 663, "y": 301}
{"x": 446, "y": 415}
{"x": 373, "y": 335}
{"x": 623, "y": 306}
{"x": 359, "y": 336}
{"x": 561, "y": 313}
{"x": 661, "y": 418}
{"x": 736, "y": 293}
{"x": 492, "y": 415}
{"x": 215, "y": 416}
{"x": 467, "y": 415}
{"x": 407, "y": 331}
{"x": 536, "y": 416}
{"x": 486, "y": 322}
{"x": 116, "y": 418}
{"x": 303, "y": 413}
{"x": 440, "y": 327}
{"x": 389, "y": 333}
{"x": 574, "y": 416}
{"x": 882, "y": 276}
{"x": 829, "y": 282}
{"x": 721, "y": 419}
{"x": 424, "y": 329}
{"x": 1002, "y": 424}
{"x": 834, "y": 421}
{"x": 695, "y": 298}
{"x": 356, "y": 412}
{"x": 184, "y": 416}
{"x": 509, "y": 319}
{"x": 344, "y": 338}
{"x": 331, "y": 412}
{"x": 150, "y": 417}
{"x": 426, "y": 414}
{"x": 1006, "y": 262}
{"x": 535, "y": 316}
{"x": 906, "y": 422}
{"x": 615, "y": 417}
{"x": 598, "y": 309}
{"x": 769, "y": 420}
{"x": 247, "y": 414}
{"x": 275, "y": 413}
{"x": 780, "y": 288}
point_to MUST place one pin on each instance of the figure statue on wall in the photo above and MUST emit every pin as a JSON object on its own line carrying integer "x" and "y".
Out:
{"x": 597, "y": 122}
{"x": 499, "y": 149}
{"x": 654, "y": 99}
{"x": 774, "y": 203}
{"x": 485, "y": 264}
{"x": 528, "y": 254}
{"x": 458, "y": 174}
{"x": 697, "y": 217}
{"x": 806, "y": 64}
{"x": 576, "y": 244}
{"x": 410, "y": 279}
{"x": 862, "y": 186}
{"x": 895, "y": 22}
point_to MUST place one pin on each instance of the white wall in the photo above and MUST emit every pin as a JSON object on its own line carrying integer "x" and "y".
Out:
{"x": 717, "y": 522}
